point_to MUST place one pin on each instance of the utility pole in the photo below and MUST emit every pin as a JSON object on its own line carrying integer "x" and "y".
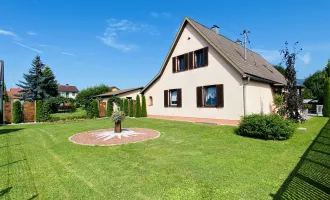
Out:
{"x": 245, "y": 32}
{"x": 2, "y": 82}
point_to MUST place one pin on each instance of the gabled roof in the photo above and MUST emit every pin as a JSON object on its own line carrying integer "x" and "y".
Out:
{"x": 14, "y": 93}
{"x": 118, "y": 92}
{"x": 112, "y": 87}
{"x": 255, "y": 65}
{"x": 67, "y": 88}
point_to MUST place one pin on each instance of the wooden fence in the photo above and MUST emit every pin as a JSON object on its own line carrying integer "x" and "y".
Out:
{"x": 28, "y": 108}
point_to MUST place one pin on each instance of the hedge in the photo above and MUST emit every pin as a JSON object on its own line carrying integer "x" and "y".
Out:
{"x": 131, "y": 108}
{"x": 92, "y": 109}
{"x": 268, "y": 127}
{"x": 38, "y": 110}
{"x": 326, "y": 98}
{"x": 17, "y": 112}
{"x": 138, "y": 106}
{"x": 109, "y": 107}
{"x": 126, "y": 106}
{"x": 144, "y": 107}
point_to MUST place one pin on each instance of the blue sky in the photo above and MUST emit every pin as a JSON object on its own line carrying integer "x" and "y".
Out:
{"x": 123, "y": 43}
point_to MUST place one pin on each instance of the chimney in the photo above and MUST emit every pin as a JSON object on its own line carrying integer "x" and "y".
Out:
{"x": 215, "y": 28}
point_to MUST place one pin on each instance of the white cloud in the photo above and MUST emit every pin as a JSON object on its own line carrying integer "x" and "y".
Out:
{"x": 161, "y": 15}
{"x": 66, "y": 53}
{"x": 115, "y": 27}
{"x": 31, "y": 33}
{"x": 270, "y": 55}
{"x": 33, "y": 49}
{"x": 9, "y": 33}
{"x": 306, "y": 58}
{"x": 42, "y": 45}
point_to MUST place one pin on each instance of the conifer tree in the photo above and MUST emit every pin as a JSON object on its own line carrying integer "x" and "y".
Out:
{"x": 138, "y": 106}
{"x": 144, "y": 107}
{"x": 131, "y": 108}
{"x": 37, "y": 85}
{"x": 126, "y": 106}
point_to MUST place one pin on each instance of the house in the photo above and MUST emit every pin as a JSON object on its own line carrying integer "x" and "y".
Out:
{"x": 129, "y": 93}
{"x": 113, "y": 88}
{"x": 14, "y": 93}
{"x": 206, "y": 76}
{"x": 68, "y": 91}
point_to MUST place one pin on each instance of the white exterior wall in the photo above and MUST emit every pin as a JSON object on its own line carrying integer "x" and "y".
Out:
{"x": 70, "y": 95}
{"x": 131, "y": 94}
{"x": 259, "y": 97}
{"x": 218, "y": 71}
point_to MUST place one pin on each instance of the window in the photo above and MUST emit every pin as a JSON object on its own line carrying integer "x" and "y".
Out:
{"x": 199, "y": 58}
{"x": 210, "y": 96}
{"x": 73, "y": 94}
{"x": 150, "y": 101}
{"x": 173, "y": 97}
{"x": 67, "y": 94}
{"x": 181, "y": 63}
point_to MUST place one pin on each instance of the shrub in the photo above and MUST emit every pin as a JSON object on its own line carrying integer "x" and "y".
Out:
{"x": 45, "y": 111}
{"x": 131, "y": 108}
{"x": 126, "y": 106}
{"x": 121, "y": 105}
{"x": 109, "y": 107}
{"x": 138, "y": 106}
{"x": 85, "y": 95}
{"x": 279, "y": 104}
{"x": 17, "y": 112}
{"x": 72, "y": 107}
{"x": 144, "y": 107}
{"x": 92, "y": 109}
{"x": 117, "y": 116}
{"x": 326, "y": 98}
{"x": 268, "y": 127}
{"x": 38, "y": 110}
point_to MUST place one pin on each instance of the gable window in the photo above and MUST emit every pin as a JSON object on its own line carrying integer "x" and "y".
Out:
{"x": 150, "y": 101}
{"x": 181, "y": 63}
{"x": 173, "y": 98}
{"x": 67, "y": 94}
{"x": 199, "y": 55}
{"x": 210, "y": 96}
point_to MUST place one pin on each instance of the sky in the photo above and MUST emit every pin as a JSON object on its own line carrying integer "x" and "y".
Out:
{"x": 124, "y": 43}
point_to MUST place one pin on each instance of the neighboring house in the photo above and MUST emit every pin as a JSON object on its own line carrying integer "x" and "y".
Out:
{"x": 130, "y": 93}
{"x": 14, "y": 94}
{"x": 205, "y": 75}
{"x": 113, "y": 88}
{"x": 68, "y": 91}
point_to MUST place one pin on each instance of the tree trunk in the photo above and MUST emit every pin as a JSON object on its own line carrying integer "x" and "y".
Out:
{"x": 118, "y": 127}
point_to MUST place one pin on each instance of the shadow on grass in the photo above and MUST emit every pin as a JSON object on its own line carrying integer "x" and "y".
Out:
{"x": 5, "y": 191}
{"x": 311, "y": 177}
{"x": 6, "y": 131}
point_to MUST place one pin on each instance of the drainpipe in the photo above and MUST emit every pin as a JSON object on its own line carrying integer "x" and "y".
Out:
{"x": 244, "y": 93}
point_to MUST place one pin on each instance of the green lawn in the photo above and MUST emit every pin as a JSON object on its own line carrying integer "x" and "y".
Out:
{"x": 78, "y": 114}
{"x": 188, "y": 161}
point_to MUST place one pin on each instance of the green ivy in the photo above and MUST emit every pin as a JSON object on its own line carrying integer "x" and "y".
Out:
{"x": 131, "y": 108}
{"x": 138, "y": 106}
{"x": 17, "y": 112}
{"x": 144, "y": 107}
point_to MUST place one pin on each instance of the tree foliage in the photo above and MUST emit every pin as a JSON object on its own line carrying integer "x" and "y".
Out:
{"x": 5, "y": 94}
{"x": 85, "y": 95}
{"x": 144, "y": 107}
{"x": 293, "y": 100}
{"x": 126, "y": 106}
{"x": 138, "y": 106}
{"x": 37, "y": 85}
{"x": 92, "y": 109}
{"x": 314, "y": 83}
{"x": 17, "y": 112}
{"x": 113, "y": 100}
{"x": 131, "y": 108}
{"x": 280, "y": 68}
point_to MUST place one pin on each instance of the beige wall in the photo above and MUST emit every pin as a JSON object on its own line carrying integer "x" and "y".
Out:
{"x": 259, "y": 97}
{"x": 218, "y": 71}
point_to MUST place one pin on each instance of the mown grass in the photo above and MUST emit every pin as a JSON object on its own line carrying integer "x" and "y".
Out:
{"x": 188, "y": 161}
{"x": 78, "y": 114}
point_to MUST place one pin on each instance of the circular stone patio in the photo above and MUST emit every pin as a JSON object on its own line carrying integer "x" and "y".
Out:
{"x": 107, "y": 137}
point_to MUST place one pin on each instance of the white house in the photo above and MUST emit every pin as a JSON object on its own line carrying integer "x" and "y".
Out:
{"x": 68, "y": 91}
{"x": 206, "y": 76}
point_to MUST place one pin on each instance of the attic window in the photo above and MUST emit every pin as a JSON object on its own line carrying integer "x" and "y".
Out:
{"x": 269, "y": 69}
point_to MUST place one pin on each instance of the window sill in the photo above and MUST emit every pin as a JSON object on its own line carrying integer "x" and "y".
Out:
{"x": 200, "y": 67}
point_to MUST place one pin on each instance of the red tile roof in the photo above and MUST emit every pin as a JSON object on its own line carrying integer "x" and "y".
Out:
{"x": 13, "y": 93}
{"x": 67, "y": 88}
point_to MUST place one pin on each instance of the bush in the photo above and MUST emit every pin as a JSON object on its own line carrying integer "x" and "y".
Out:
{"x": 121, "y": 105}
{"x": 131, "y": 108}
{"x": 326, "y": 98}
{"x": 268, "y": 127}
{"x": 85, "y": 95}
{"x": 17, "y": 112}
{"x": 138, "y": 106}
{"x": 56, "y": 103}
{"x": 38, "y": 110}
{"x": 126, "y": 106}
{"x": 144, "y": 107}
{"x": 45, "y": 111}
{"x": 92, "y": 109}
